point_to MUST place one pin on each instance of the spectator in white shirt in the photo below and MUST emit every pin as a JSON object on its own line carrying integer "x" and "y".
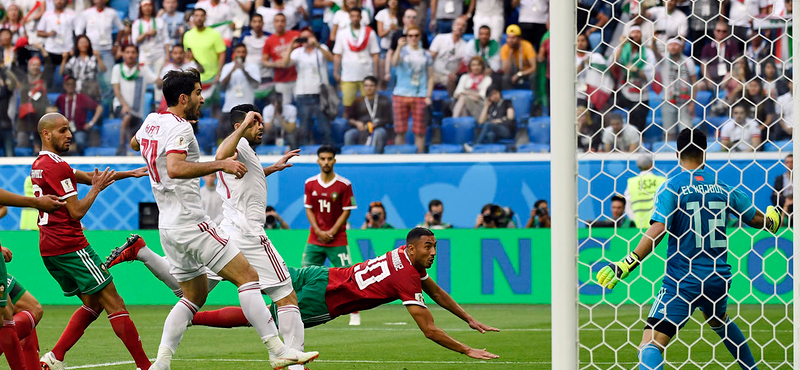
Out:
{"x": 239, "y": 80}
{"x": 181, "y": 60}
{"x": 240, "y": 9}
{"x": 489, "y": 13}
{"x": 341, "y": 19}
{"x": 151, "y": 36}
{"x": 447, "y": 51}
{"x": 130, "y": 84}
{"x": 99, "y": 23}
{"x": 387, "y": 23}
{"x": 470, "y": 93}
{"x": 218, "y": 17}
{"x": 740, "y": 133}
{"x": 57, "y": 29}
{"x": 255, "y": 45}
{"x": 618, "y": 136}
{"x": 533, "y": 16}
{"x": 356, "y": 52}
{"x": 280, "y": 123}
{"x": 668, "y": 22}
{"x": 279, "y": 7}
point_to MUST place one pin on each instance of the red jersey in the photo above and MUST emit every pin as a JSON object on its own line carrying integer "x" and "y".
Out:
{"x": 374, "y": 282}
{"x": 327, "y": 202}
{"x": 274, "y": 47}
{"x": 59, "y": 233}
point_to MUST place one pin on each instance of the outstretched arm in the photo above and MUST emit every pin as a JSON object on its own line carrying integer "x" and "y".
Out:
{"x": 47, "y": 203}
{"x": 424, "y": 320}
{"x": 770, "y": 221}
{"x": 610, "y": 275}
{"x": 445, "y": 300}
{"x": 281, "y": 164}
{"x": 77, "y": 208}
{"x": 86, "y": 177}
{"x": 179, "y": 168}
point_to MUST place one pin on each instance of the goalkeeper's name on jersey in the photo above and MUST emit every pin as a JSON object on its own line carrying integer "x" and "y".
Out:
{"x": 702, "y": 189}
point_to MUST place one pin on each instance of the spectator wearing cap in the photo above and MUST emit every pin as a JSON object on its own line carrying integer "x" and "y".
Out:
{"x": 98, "y": 23}
{"x": 368, "y": 117}
{"x": 412, "y": 93}
{"x": 470, "y": 94}
{"x": 634, "y": 69}
{"x": 489, "y": 13}
{"x": 272, "y": 57}
{"x": 219, "y": 16}
{"x": 76, "y": 108}
{"x": 447, "y": 51}
{"x": 641, "y": 192}
{"x": 356, "y": 53}
{"x": 129, "y": 82}
{"x": 57, "y": 28}
{"x": 486, "y": 48}
{"x": 519, "y": 60}
{"x": 678, "y": 78}
{"x": 85, "y": 65}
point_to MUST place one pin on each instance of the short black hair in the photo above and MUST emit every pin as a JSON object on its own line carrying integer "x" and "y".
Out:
{"x": 239, "y": 46}
{"x": 239, "y": 112}
{"x": 178, "y": 45}
{"x": 692, "y": 143}
{"x": 417, "y": 233}
{"x": 491, "y": 90}
{"x": 354, "y": 9}
{"x": 371, "y": 79}
{"x": 130, "y": 46}
{"x": 326, "y": 149}
{"x": 486, "y": 207}
{"x": 5, "y": 30}
{"x": 615, "y": 117}
{"x": 179, "y": 82}
{"x": 257, "y": 15}
{"x": 538, "y": 202}
{"x": 619, "y": 198}
{"x": 789, "y": 156}
{"x": 486, "y": 27}
{"x": 279, "y": 14}
{"x": 434, "y": 203}
{"x": 200, "y": 9}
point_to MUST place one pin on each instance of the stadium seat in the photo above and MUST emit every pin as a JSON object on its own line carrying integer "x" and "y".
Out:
{"x": 785, "y": 146}
{"x": 522, "y": 100}
{"x": 148, "y": 103}
{"x": 309, "y": 149}
{"x": 539, "y": 129}
{"x": 702, "y": 100}
{"x": 100, "y": 151}
{"x": 338, "y": 127}
{"x": 109, "y": 132}
{"x": 534, "y": 148}
{"x": 52, "y": 97}
{"x": 445, "y": 148}
{"x": 23, "y": 152}
{"x": 440, "y": 96}
{"x": 271, "y": 149}
{"x": 358, "y": 149}
{"x": 458, "y": 130}
{"x": 400, "y": 149}
{"x": 594, "y": 39}
{"x": 207, "y": 132}
{"x": 489, "y": 148}
{"x": 665, "y": 147}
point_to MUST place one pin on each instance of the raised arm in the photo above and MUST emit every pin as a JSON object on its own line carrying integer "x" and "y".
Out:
{"x": 445, "y": 300}
{"x": 77, "y": 208}
{"x": 425, "y": 322}
{"x": 282, "y": 163}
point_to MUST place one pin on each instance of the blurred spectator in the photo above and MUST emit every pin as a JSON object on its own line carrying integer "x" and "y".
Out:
{"x": 76, "y": 108}
{"x": 668, "y": 23}
{"x": 179, "y": 61}
{"x": 702, "y": 21}
{"x": 740, "y": 17}
{"x": 541, "y": 85}
{"x": 8, "y": 85}
{"x": 212, "y": 202}
{"x": 635, "y": 70}
{"x": 412, "y": 94}
{"x": 594, "y": 84}
{"x": 7, "y": 50}
{"x": 757, "y": 51}
{"x": 255, "y": 42}
{"x": 208, "y": 49}
{"x": 486, "y": 48}
{"x": 57, "y": 28}
{"x": 540, "y": 215}
{"x": 618, "y": 218}
{"x": 239, "y": 81}
{"x": 785, "y": 112}
{"x": 641, "y": 191}
{"x": 533, "y": 17}
{"x": 31, "y": 27}
{"x": 519, "y": 60}
{"x": 273, "y": 220}
{"x": 33, "y": 104}
{"x": 740, "y": 133}
{"x": 219, "y": 17}
{"x": 496, "y": 121}
{"x": 470, "y": 94}
{"x": 86, "y": 66}
{"x": 433, "y": 218}
{"x": 356, "y": 53}
{"x": 151, "y": 36}
{"x": 124, "y": 38}
{"x": 409, "y": 19}
{"x": 130, "y": 85}
{"x": 14, "y": 22}
{"x": 274, "y": 50}
{"x": 489, "y": 13}
{"x": 443, "y": 14}
{"x": 278, "y": 7}
{"x": 311, "y": 61}
{"x": 99, "y": 23}
{"x": 342, "y": 18}
{"x": 447, "y": 51}
{"x": 240, "y": 11}
{"x": 175, "y": 21}
{"x": 590, "y": 19}
{"x": 280, "y": 122}
{"x": 733, "y": 85}
{"x": 617, "y": 136}
{"x": 387, "y": 23}
{"x": 678, "y": 78}
{"x": 774, "y": 85}
{"x": 588, "y": 129}
{"x": 718, "y": 56}
{"x": 763, "y": 109}
{"x": 493, "y": 216}
{"x": 783, "y": 190}
{"x": 368, "y": 117}
{"x": 376, "y": 218}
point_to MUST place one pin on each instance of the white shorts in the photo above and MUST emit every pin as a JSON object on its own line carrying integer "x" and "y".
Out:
{"x": 190, "y": 250}
{"x": 273, "y": 276}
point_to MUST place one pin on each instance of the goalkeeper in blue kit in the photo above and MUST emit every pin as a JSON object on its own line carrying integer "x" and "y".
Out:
{"x": 692, "y": 207}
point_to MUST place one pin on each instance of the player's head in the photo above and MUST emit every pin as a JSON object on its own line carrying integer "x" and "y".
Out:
{"x": 326, "y": 158}
{"x": 692, "y": 146}
{"x": 421, "y": 247}
{"x": 54, "y": 132}
{"x": 182, "y": 89}
{"x": 256, "y": 132}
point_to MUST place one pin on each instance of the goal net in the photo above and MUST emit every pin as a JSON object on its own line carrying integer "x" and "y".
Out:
{"x": 644, "y": 71}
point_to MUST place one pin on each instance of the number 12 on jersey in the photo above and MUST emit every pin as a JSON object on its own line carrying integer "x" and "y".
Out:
{"x": 717, "y": 210}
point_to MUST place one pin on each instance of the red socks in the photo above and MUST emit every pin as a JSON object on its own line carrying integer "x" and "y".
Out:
{"x": 30, "y": 351}
{"x": 228, "y": 317}
{"x": 126, "y": 331}
{"x": 25, "y": 323}
{"x": 9, "y": 342}
{"x": 80, "y": 320}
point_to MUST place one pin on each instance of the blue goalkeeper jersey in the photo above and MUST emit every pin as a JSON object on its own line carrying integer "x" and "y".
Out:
{"x": 694, "y": 208}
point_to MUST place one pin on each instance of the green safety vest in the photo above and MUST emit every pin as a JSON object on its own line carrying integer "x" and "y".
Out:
{"x": 29, "y": 218}
{"x": 642, "y": 190}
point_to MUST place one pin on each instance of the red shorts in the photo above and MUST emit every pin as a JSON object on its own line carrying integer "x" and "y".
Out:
{"x": 402, "y": 107}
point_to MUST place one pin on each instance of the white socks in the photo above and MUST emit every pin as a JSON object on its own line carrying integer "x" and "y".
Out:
{"x": 256, "y": 312}
{"x": 291, "y": 326}
{"x": 159, "y": 266}
{"x": 177, "y": 321}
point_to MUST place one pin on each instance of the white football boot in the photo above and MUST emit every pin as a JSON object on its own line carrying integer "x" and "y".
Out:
{"x": 49, "y": 362}
{"x": 292, "y": 356}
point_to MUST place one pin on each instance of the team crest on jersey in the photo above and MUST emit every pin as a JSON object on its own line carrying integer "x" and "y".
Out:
{"x": 419, "y": 298}
{"x": 66, "y": 184}
{"x": 334, "y": 195}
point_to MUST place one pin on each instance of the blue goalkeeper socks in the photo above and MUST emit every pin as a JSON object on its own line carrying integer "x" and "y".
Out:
{"x": 737, "y": 345}
{"x": 650, "y": 358}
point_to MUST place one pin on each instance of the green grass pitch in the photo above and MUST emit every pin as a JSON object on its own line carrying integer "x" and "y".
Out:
{"x": 389, "y": 339}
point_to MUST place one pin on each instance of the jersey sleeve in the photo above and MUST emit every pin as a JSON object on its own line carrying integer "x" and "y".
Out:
{"x": 742, "y": 205}
{"x": 666, "y": 203}
{"x": 307, "y": 195}
{"x": 61, "y": 178}
{"x": 409, "y": 290}
{"x": 178, "y": 140}
{"x": 349, "y": 200}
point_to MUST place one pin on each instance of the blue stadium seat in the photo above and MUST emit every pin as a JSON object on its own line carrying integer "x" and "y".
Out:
{"x": 102, "y": 151}
{"x": 440, "y": 96}
{"x": 52, "y": 97}
{"x": 785, "y": 146}
{"x": 109, "y": 132}
{"x": 148, "y": 103}
{"x": 534, "y": 148}
{"x": 338, "y": 127}
{"x": 445, "y": 148}
{"x": 206, "y": 132}
{"x": 539, "y": 129}
{"x": 702, "y": 100}
{"x": 594, "y": 39}
{"x": 24, "y": 151}
{"x": 489, "y": 148}
{"x": 458, "y": 130}
{"x": 358, "y": 149}
{"x": 522, "y": 100}
{"x": 665, "y": 147}
{"x": 309, "y": 149}
{"x": 400, "y": 149}
{"x": 271, "y": 149}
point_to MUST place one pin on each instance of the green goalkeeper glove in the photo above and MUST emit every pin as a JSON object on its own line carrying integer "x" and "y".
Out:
{"x": 772, "y": 219}
{"x": 610, "y": 275}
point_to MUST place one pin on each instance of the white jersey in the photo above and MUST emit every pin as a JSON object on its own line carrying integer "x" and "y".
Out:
{"x": 244, "y": 200}
{"x": 179, "y": 203}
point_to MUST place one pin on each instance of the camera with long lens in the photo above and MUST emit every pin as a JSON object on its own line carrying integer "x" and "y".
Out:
{"x": 541, "y": 211}
{"x": 375, "y": 216}
{"x": 271, "y": 221}
{"x": 501, "y": 216}
{"x": 437, "y": 217}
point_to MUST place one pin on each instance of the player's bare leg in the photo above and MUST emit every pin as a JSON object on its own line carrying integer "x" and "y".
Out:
{"x": 734, "y": 340}
{"x": 9, "y": 341}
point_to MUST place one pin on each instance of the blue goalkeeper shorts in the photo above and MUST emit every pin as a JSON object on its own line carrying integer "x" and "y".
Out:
{"x": 676, "y": 304}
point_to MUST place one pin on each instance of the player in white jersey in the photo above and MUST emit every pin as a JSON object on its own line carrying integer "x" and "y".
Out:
{"x": 191, "y": 241}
